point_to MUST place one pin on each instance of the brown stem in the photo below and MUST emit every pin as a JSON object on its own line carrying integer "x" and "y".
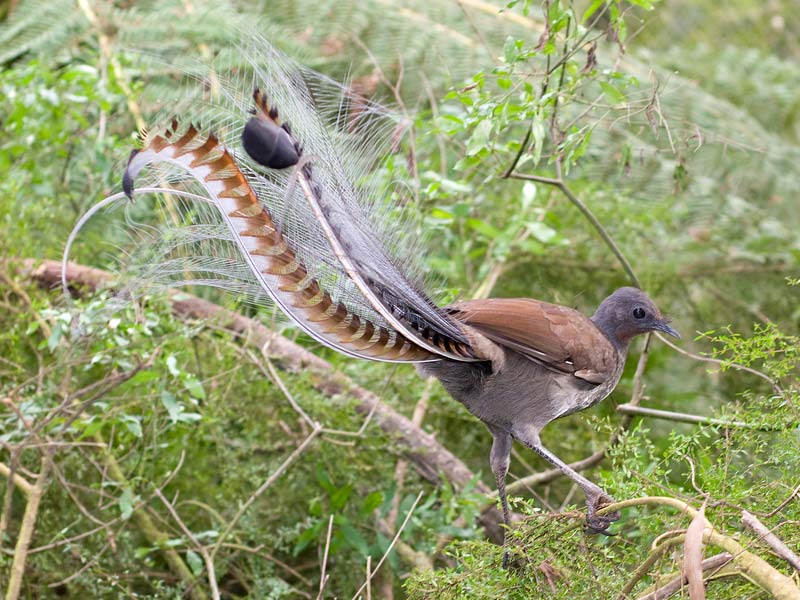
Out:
{"x": 577, "y": 203}
{"x": 27, "y": 527}
{"x": 712, "y": 563}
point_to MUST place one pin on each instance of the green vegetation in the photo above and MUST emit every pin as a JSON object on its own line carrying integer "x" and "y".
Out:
{"x": 558, "y": 152}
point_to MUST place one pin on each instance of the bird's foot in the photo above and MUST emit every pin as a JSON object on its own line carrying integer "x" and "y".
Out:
{"x": 595, "y": 500}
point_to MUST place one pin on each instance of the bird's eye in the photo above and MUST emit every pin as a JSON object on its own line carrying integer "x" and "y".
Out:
{"x": 638, "y": 313}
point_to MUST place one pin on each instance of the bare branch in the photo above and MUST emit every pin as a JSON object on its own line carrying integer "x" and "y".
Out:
{"x": 771, "y": 540}
{"x": 212, "y": 578}
{"x": 323, "y": 578}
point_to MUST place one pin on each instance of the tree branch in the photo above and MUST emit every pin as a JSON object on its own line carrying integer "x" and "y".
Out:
{"x": 428, "y": 456}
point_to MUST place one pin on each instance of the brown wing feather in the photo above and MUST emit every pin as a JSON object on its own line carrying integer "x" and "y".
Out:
{"x": 556, "y": 336}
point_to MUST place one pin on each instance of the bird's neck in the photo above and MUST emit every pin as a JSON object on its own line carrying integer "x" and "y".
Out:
{"x": 609, "y": 325}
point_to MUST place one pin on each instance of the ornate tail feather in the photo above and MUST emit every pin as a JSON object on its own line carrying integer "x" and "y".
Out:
{"x": 268, "y": 252}
{"x": 410, "y": 314}
{"x": 302, "y": 233}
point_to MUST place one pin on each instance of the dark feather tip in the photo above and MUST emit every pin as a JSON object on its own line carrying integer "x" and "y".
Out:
{"x": 127, "y": 179}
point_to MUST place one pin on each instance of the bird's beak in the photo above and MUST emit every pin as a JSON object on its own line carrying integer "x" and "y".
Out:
{"x": 668, "y": 329}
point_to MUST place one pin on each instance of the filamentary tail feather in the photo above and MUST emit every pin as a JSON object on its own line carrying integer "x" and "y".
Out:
{"x": 284, "y": 210}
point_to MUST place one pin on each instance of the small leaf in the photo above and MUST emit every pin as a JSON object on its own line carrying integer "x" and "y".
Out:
{"x": 484, "y": 228}
{"x": 172, "y": 363}
{"x": 125, "y": 503}
{"x": 195, "y": 562}
{"x": 510, "y": 50}
{"x": 371, "y": 502}
{"x": 340, "y": 497}
{"x": 55, "y": 337}
{"x": 542, "y": 232}
{"x": 195, "y": 388}
{"x": 133, "y": 425}
{"x": 528, "y": 193}
{"x": 169, "y": 402}
{"x": 479, "y": 138}
{"x": 539, "y": 135}
{"x": 612, "y": 94}
{"x": 354, "y": 538}
{"x": 591, "y": 10}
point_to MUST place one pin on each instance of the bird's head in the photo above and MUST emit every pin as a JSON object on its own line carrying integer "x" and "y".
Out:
{"x": 629, "y": 312}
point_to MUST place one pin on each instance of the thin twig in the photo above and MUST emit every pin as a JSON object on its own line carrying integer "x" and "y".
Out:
{"x": 565, "y": 189}
{"x": 212, "y": 578}
{"x": 668, "y": 415}
{"x": 369, "y": 577}
{"x": 323, "y": 578}
{"x": 712, "y": 563}
{"x": 725, "y": 364}
{"x": 391, "y": 545}
{"x": 270, "y": 480}
{"x": 783, "y": 504}
{"x": 771, "y": 540}
{"x": 647, "y": 564}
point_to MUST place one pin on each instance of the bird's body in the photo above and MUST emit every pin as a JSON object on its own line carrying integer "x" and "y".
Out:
{"x": 502, "y": 392}
{"x": 543, "y": 362}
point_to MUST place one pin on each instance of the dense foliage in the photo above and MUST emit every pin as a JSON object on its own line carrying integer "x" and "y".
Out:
{"x": 558, "y": 152}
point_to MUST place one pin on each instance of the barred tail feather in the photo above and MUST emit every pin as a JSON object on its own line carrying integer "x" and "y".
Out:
{"x": 289, "y": 220}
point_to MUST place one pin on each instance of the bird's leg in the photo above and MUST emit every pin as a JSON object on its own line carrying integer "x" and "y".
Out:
{"x": 499, "y": 459}
{"x": 596, "y": 498}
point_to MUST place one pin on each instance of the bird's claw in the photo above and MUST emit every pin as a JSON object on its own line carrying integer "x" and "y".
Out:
{"x": 599, "y": 523}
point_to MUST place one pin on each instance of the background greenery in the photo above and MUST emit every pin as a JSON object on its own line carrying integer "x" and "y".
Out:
{"x": 685, "y": 147}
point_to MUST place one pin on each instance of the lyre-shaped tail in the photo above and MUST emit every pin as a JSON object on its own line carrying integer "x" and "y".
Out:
{"x": 288, "y": 218}
{"x": 268, "y": 253}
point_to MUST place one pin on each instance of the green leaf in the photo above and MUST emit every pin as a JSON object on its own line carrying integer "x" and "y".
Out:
{"x": 354, "y": 538}
{"x": 510, "y": 50}
{"x": 371, "y": 502}
{"x": 55, "y": 337}
{"x": 587, "y": 14}
{"x": 126, "y": 502}
{"x": 169, "y": 402}
{"x": 479, "y": 138}
{"x": 92, "y": 427}
{"x": 539, "y": 135}
{"x": 194, "y": 387}
{"x": 483, "y": 228}
{"x": 133, "y": 425}
{"x": 542, "y": 232}
{"x": 195, "y": 562}
{"x": 528, "y": 193}
{"x": 340, "y": 497}
{"x": 612, "y": 94}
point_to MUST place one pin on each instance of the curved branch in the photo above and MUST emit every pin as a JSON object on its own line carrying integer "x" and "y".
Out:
{"x": 751, "y": 565}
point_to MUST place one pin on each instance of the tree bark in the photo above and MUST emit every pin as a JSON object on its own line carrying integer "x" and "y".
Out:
{"x": 428, "y": 456}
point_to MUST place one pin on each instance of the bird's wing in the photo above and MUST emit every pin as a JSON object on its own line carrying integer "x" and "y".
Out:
{"x": 558, "y": 337}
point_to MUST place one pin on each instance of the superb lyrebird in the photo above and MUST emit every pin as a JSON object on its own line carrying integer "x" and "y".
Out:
{"x": 284, "y": 213}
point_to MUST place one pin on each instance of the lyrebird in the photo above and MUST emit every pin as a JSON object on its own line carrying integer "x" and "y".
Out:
{"x": 290, "y": 220}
